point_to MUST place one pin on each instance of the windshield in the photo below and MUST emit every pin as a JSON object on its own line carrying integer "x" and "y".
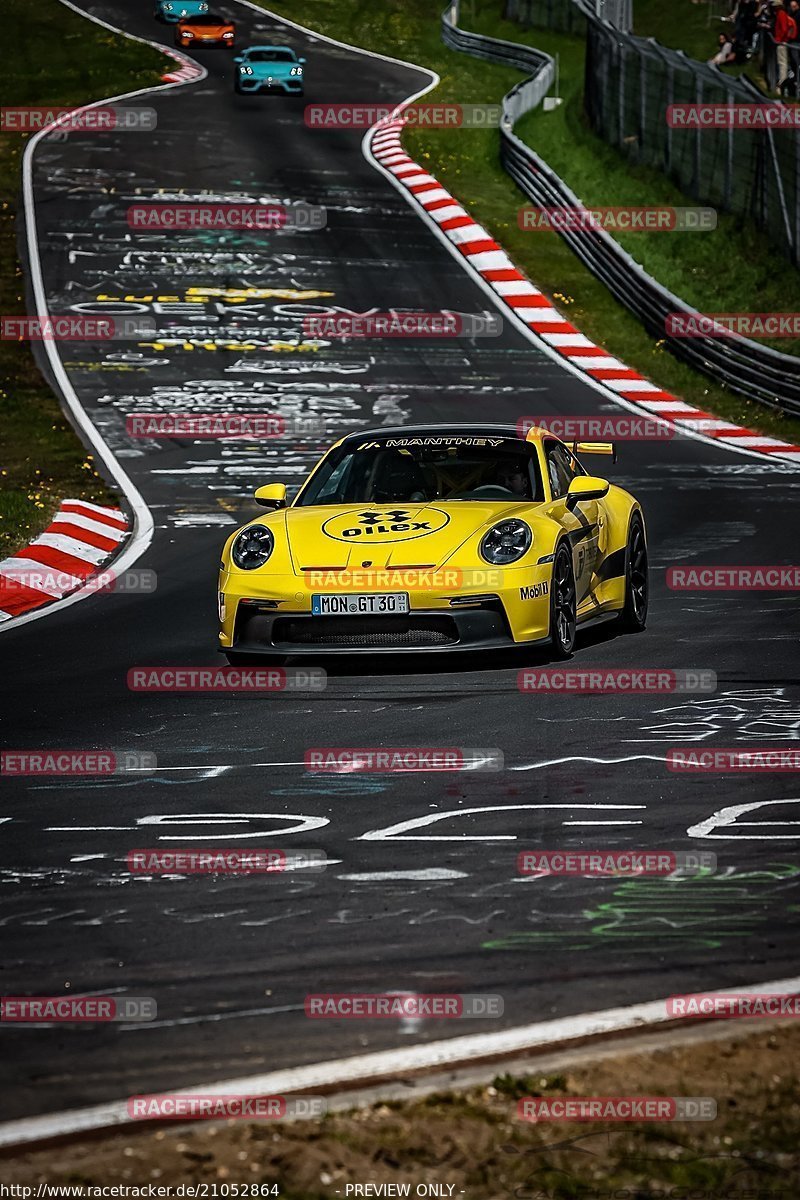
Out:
{"x": 425, "y": 469}
{"x": 211, "y": 19}
{"x": 265, "y": 56}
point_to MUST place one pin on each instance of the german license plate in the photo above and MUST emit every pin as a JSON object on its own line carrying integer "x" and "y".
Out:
{"x": 381, "y": 603}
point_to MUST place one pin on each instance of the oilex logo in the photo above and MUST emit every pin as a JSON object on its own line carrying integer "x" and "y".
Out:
{"x": 616, "y": 1108}
{"x": 358, "y": 1006}
{"x": 223, "y": 862}
{"x": 75, "y": 762}
{"x": 220, "y": 679}
{"x": 228, "y": 1106}
{"x": 725, "y": 762}
{"x": 345, "y": 760}
{"x": 615, "y": 862}
{"x": 54, "y": 1010}
{"x": 633, "y": 679}
{"x": 734, "y": 1004}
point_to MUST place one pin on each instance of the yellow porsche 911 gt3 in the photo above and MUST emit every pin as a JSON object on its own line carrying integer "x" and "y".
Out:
{"x": 435, "y": 537}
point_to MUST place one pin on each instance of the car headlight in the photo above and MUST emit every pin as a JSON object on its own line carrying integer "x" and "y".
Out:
{"x": 227, "y": 35}
{"x": 506, "y": 542}
{"x": 252, "y": 547}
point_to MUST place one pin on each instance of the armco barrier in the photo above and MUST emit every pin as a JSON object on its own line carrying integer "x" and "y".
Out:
{"x": 752, "y": 370}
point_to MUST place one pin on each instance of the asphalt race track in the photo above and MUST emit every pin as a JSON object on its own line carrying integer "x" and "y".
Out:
{"x": 230, "y": 960}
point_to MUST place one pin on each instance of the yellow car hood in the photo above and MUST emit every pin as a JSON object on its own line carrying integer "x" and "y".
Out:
{"x": 391, "y": 535}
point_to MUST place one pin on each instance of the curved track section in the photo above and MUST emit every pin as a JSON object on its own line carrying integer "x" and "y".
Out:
{"x": 422, "y": 892}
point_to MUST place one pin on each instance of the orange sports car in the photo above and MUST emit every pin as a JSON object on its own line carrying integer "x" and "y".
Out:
{"x": 206, "y": 29}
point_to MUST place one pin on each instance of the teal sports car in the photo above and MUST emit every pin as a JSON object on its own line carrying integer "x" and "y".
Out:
{"x": 269, "y": 69}
{"x": 173, "y": 11}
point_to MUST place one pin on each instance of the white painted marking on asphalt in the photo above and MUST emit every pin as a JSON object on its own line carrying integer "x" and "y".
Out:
{"x": 585, "y": 758}
{"x": 362, "y": 1068}
{"x": 727, "y": 819}
{"x": 602, "y": 822}
{"x": 399, "y": 831}
{"x": 424, "y": 874}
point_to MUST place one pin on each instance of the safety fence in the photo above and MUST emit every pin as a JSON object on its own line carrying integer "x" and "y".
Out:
{"x": 744, "y": 366}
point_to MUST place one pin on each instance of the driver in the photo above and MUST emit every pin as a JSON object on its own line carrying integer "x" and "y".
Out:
{"x": 512, "y": 475}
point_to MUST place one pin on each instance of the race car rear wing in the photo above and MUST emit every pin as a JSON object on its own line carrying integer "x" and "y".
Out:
{"x": 595, "y": 448}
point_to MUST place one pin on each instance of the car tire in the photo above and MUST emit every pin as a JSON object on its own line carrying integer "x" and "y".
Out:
{"x": 633, "y": 615}
{"x": 237, "y": 88}
{"x": 563, "y": 603}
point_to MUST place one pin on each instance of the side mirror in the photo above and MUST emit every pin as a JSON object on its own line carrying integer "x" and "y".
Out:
{"x": 273, "y": 495}
{"x": 238, "y": 58}
{"x": 301, "y": 60}
{"x": 586, "y": 487}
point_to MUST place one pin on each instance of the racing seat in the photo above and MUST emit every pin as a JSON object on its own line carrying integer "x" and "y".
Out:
{"x": 396, "y": 476}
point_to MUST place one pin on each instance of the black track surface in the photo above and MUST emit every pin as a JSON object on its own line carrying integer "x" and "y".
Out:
{"x": 230, "y": 960}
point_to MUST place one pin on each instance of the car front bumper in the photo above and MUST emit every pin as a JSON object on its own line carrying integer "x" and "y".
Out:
{"x": 199, "y": 43}
{"x": 279, "y": 619}
{"x": 288, "y": 87}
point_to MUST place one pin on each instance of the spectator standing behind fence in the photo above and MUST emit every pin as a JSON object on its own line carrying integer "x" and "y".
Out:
{"x": 745, "y": 24}
{"x": 784, "y": 32}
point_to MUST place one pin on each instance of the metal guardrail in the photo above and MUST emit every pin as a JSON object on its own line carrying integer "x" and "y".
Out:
{"x": 752, "y": 370}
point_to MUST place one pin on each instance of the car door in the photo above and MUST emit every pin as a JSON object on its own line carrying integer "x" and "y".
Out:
{"x": 585, "y": 523}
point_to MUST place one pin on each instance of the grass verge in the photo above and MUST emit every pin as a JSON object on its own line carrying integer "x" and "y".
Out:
{"x": 57, "y": 59}
{"x": 719, "y": 271}
{"x": 473, "y": 1142}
